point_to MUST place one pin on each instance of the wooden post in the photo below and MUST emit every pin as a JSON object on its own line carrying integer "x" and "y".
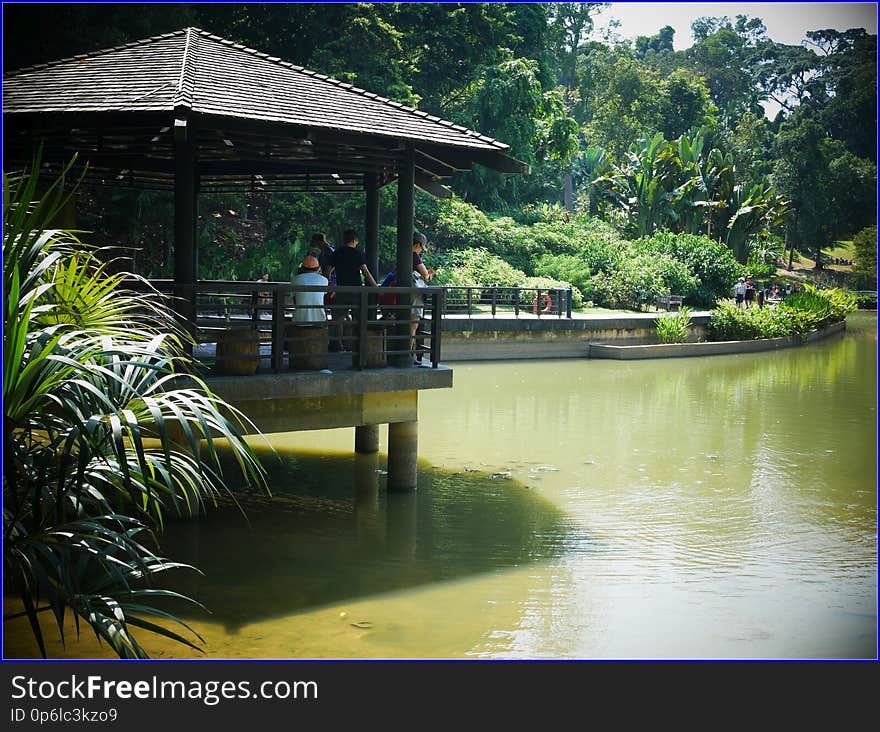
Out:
{"x": 185, "y": 205}
{"x": 362, "y": 316}
{"x": 439, "y": 300}
{"x": 371, "y": 225}
{"x": 405, "y": 203}
{"x": 278, "y": 329}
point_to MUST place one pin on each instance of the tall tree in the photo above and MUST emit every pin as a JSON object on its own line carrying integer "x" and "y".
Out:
{"x": 724, "y": 52}
{"x": 833, "y": 192}
{"x": 570, "y": 23}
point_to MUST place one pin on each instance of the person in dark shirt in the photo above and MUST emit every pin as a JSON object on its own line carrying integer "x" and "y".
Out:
{"x": 349, "y": 263}
{"x": 322, "y": 249}
{"x": 750, "y": 291}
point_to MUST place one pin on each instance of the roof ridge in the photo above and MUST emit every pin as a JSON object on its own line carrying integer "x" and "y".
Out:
{"x": 354, "y": 89}
{"x": 183, "y": 97}
{"x": 185, "y": 86}
{"x": 99, "y": 52}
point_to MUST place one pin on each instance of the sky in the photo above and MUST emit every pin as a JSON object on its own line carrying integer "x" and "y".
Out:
{"x": 785, "y": 22}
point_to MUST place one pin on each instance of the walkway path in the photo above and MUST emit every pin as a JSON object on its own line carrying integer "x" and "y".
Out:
{"x": 524, "y": 315}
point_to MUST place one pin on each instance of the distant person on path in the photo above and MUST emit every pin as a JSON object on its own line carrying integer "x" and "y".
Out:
{"x": 309, "y": 305}
{"x": 750, "y": 292}
{"x": 739, "y": 291}
{"x": 350, "y": 264}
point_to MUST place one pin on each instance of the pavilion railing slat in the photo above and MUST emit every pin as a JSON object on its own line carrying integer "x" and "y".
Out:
{"x": 268, "y": 308}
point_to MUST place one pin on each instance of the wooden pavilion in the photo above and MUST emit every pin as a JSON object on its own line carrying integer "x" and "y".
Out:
{"x": 189, "y": 112}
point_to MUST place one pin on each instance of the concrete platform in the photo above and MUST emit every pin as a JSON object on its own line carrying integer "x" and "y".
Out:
{"x": 293, "y": 401}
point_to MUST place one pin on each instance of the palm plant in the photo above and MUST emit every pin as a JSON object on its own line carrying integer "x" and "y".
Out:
{"x": 673, "y": 327}
{"x": 104, "y": 432}
{"x": 713, "y": 175}
{"x": 649, "y": 185}
{"x": 757, "y": 209}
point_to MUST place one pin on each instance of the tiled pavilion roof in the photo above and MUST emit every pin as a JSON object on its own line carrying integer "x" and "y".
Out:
{"x": 259, "y": 121}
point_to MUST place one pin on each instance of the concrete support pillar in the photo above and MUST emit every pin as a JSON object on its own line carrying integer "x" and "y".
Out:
{"x": 366, "y": 439}
{"x": 403, "y": 455}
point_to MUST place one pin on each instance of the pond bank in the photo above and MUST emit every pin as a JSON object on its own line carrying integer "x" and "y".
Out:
{"x": 709, "y": 348}
{"x": 505, "y": 339}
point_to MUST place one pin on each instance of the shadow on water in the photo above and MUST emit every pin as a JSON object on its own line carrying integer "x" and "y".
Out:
{"x": 331, "y": 533}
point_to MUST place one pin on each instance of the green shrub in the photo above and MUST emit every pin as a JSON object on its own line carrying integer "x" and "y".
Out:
{"x": 673, "y": 327}
{"x": 865, "y": 259}
{"x": 712, "y": 263}
{"x": 799, "y": 314}
{"x": 636, "y": 282}
{"x": 817, "y": 308}
{"x": 842, "y": 302}
{"x": 568, "y": 268}
{"x": 731, "y": 323}
{"x": 824, "y": 306}
{"x": 479, "y": 268}
{"x": 455, "y": 224}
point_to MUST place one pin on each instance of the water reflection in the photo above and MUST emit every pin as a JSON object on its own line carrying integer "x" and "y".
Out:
{"x": 721, "y": 507}
{"x": 332, "y": 532}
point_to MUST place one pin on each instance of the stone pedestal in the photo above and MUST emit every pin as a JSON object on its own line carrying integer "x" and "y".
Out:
{"x": 375, "y": 347}
{"x": 307, "y": 346}
{"x": 238, "y": 352}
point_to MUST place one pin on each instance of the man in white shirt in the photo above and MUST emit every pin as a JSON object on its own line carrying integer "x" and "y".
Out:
{"x": 309, "y": 306}
{"x": 739, "y": 291}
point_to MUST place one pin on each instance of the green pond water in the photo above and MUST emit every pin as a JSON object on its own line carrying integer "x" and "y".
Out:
{"x": 719, "y": 507}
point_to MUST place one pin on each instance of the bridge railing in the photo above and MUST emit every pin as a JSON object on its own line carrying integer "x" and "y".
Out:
{"x": 493, "y": 301}
{"x": 242, "y": 327}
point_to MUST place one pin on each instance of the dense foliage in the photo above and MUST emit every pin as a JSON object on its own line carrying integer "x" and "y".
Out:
{"x": 625, "y": 140}
{"x": 865, "y": 262}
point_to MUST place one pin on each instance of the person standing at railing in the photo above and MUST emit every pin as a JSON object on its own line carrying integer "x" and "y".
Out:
{"x": 322, "y": 249}
{"x": 309, "y": 306}
{"x": 421, "y": 276}
{"x": 350, "y": 264}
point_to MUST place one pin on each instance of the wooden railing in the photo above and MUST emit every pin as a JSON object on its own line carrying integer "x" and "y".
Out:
{"x": 256, "y": 324}
{"x": 492, "y": 301}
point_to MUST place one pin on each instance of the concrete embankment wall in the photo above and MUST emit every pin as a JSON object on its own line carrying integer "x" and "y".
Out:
{"x": 715, "y": 348}
{"x": 505, "y": 339}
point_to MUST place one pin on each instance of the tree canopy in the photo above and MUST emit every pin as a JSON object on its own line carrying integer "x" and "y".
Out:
{"x": 536, "y": 76}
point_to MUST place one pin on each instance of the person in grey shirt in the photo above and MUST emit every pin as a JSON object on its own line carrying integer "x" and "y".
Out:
{"x": 309, "y": 306}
